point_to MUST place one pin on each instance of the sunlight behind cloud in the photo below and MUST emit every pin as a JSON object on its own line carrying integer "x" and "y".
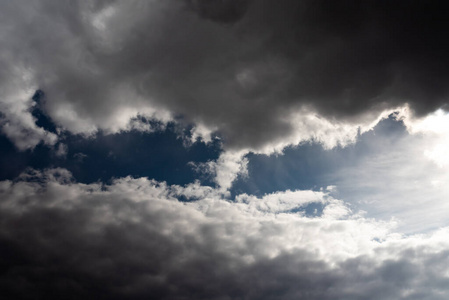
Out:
{"x": 403, "y": 176}
{"x": 435, "y": 128}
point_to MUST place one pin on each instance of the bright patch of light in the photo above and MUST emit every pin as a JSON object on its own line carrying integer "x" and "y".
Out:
{"x": 436, "y": 126}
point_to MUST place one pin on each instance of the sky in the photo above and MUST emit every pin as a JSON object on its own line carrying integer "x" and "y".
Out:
{"x": 224, "y": 149}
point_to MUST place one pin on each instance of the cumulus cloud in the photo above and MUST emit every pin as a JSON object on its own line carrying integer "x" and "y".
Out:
{"x": 225, "y": 169}
{"x": 16, "y": 104}
{"x": 134, "y": 239}
{"x": 260, "y": 75}
{"x": 243, "y": 68}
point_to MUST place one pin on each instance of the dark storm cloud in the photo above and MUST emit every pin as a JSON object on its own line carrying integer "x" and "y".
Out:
{"x": 60, "y": 239}
{"x": 241, "y": 67}
{"x": 226, "y": 11}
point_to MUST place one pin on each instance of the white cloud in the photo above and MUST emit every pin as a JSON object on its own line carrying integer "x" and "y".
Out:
{"x": 225, "y": 169}
{"x": 211, "y": 244}
{"x": 308, "y": 125}
{"x": 202, "y": 132}
{"x": 17, "y": 86}
{"x": 282, "y": 201}
{"x": 16, "y": 120}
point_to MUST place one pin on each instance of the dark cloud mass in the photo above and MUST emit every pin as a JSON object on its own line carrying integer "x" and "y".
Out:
{"x": 226, "y": 11}
{"x": 239, "y": 67}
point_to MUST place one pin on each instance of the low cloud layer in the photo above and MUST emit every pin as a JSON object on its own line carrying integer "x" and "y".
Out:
{"x": 247, "y": 69}
{"x": 133, "y": 240}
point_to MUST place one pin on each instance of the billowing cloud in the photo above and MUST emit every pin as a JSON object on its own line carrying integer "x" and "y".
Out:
{"x": 246, "y": 76}
{"x": 247, "y": 69}
{"x": 16, "y": 105}
{"x": 133, "y": 239}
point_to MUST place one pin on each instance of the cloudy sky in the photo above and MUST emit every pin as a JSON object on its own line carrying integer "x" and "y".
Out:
{"x": 224, "y": 149}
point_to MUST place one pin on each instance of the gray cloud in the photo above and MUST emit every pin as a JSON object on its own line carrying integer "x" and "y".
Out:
{"x": 226, "y": 11}
{"x": 60, "y": 239}
{"x": 241, "y": 67}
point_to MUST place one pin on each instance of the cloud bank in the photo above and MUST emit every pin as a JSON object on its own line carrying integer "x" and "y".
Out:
{"x": 258, "y": 72}
{"x": 133, "y": 239}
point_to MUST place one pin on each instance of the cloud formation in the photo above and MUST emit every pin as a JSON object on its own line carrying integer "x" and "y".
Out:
{"x": 260, "y": 75}
{"x": 16, "y": 105}
{"x": 244, "y": 68}
{"x": 133, "y": 239}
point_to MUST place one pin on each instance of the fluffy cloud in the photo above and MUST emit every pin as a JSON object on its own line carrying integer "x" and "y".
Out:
{"x": 261, "y": 75}
{"x": 134, "y": 239}
{"x": 243, "y": 68}
{"x": 225, "y": 169}
{"x": 16, "y": 120}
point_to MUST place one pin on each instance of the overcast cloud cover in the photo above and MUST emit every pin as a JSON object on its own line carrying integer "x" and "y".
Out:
{"x": 136, "y": 119}
{"x": 253, "y": 70}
